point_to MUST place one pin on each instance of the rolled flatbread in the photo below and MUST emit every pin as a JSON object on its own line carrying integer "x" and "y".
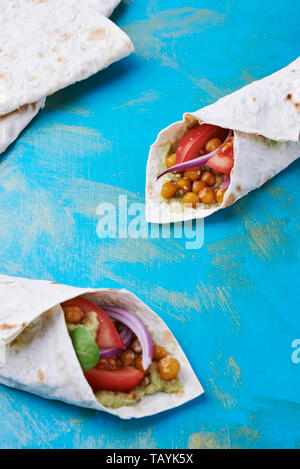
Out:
{"x": 40, "y": 357}
{"x": 12, "y": 124}
{"x": 265, "y": 120}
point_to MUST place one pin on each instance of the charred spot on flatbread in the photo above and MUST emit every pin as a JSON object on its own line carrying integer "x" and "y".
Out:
{"x": 150, "y": 188}
{"x": 7, "y": 327}
{"x": 289, "y": 97}
{"x": 230, "y": 200}
{"x": 66, "y": 36}
{"x": 97, "y": 34}
{"x": 41, "y": 376}
{"x": 239, "y": 188}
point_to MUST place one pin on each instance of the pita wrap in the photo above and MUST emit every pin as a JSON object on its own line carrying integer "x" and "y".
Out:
{"x": 12, "y": 124}
{"x": 265, "y": 119}
{"x": 44, "y": 361}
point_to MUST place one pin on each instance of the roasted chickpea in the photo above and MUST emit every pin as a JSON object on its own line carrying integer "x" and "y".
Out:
{"x": 184, "y": 184}
{"x": 146, "y": 381}
{"x": 168, "y": 190}
{"x": 220, "y": 195}
{"x": 197, "y": 186}
{"x": 193, "y": 173}
{"x": 159, "y": 352}
{"x": 217, "y": 173}
{"x": 109, "y": 364}
{"x": 208, "y": 178}
{"x": 136, "y": 346}
{"x": 207, "y": 195}
{"x": 168, "y": 368}
{"x": 226, "y": 147}
{"x": 190, "y": 198}
{"x": 127, "y": 357}
{"x": 171, "y": 160}
{"x": 138, "y": 363}
{"x": 212, "y": 144}
{"x": 73, "y": 314}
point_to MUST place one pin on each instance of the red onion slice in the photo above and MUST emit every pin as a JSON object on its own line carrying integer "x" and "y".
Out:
{"x": 226, "y": 182}
{"x": 126, "y": 335}
{"x": 195, "y": 162}
{"x": 137, "y": 327}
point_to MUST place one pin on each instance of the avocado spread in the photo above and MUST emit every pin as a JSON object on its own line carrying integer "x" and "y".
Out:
{"x": 90, "y": 323}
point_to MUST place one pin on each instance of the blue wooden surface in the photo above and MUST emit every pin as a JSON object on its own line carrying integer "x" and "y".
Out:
{"x": 233, "y": 304}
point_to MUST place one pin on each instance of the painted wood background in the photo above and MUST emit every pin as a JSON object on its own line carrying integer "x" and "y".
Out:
{"x": 233, "y": 304}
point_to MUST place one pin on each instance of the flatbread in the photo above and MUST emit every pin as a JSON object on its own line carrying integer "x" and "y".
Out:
{"x": 44, "y": 362}
{"x": 48, "y": 45}
{"x": 12, "y": 124}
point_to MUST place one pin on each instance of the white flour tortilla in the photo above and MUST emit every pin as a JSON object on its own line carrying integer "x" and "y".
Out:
{"x": 12, "y": 124}
{"x": 46, "y": 46}
{"x": 46, "y": 364}
{"x": 265, "y": 117}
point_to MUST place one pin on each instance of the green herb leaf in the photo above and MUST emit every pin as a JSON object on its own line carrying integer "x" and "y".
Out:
{"x": 85, "y": 348}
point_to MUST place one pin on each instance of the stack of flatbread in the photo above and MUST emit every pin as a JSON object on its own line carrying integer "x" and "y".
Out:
{"x": 46, "y": 45}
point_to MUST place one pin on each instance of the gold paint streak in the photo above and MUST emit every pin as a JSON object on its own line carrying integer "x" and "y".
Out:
{"x": 235, "y": 370}
{"x": 206, "y": 440}
{"x": 264, "y": 238}
{"x": 279, "y": 194}
{"x": 227, "y": 400}
{"x": 145, "y": 97}
{"x": 150, "y": 37}
{"x": 226, "y": 438}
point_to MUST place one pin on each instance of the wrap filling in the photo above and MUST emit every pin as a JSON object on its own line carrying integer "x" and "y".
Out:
{"x": 117, "y": 354}
{"x": 198, "y": 166}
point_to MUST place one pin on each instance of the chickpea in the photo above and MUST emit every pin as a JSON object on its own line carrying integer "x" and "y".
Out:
{"x": 146, "y": 381}
{"x": 136, "y": 346}
{"x": 226, "y": 147}
{"x": 190, "y": 198}
{"x": 213, "y": 144}
{"x": 216, "y": 173}
{"x": 127, "y": 357}
{"x": 171, "y": 160}
{"x": 208, "y": 178}
{"x": 73, "y": 314}
{"x": 168, "y": 190}
{"x": 184, "y": 184}
{"x": 207, "y": 195}
{"x": 138, "y": 363}
{"x": 193, "y": 173}
{"x": 168, "y": 368}
{"x": 159, "y": 352}
{"x": 197, "y": 186}
{"x": 109, "y": 364}
{"x": 220, "y": 195}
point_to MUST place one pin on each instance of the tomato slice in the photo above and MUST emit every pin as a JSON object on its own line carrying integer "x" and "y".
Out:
{"x": 123, "y": 380}
{"x": 193, "y": 142}
{"x": 223, "y": 160}
{"x": 107, "y": 334}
